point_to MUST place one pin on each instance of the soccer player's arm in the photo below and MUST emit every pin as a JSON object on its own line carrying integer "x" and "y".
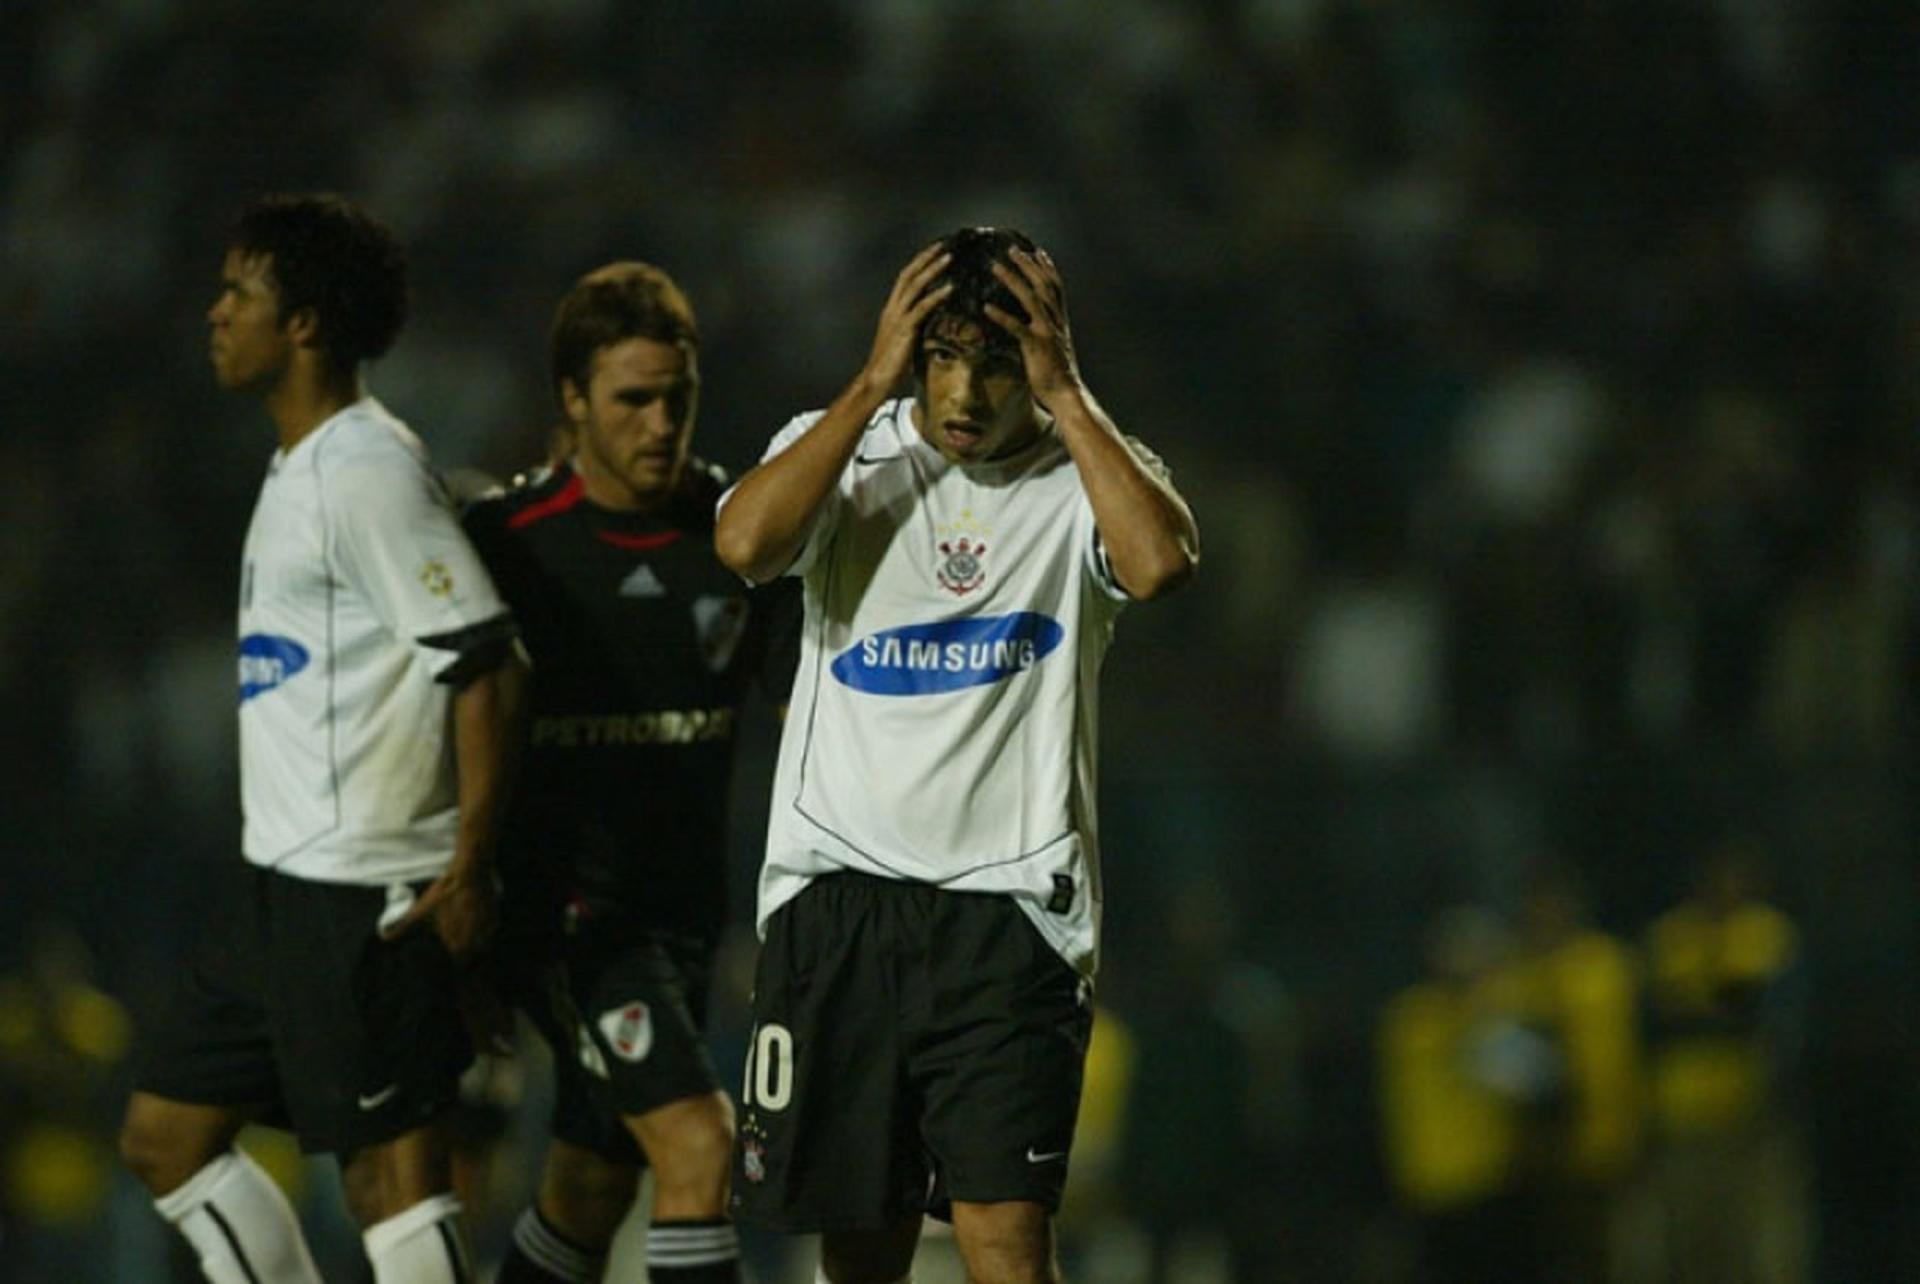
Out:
{"x": 1124, "y": 576}
{"x": 1148, "y": 536}
{"x": 490, "y": 681}
{"x": 767, "y": 519}
{"x": 488, "y": 676}
{"x": 400, "y": 544}
{"x": 1147, "y": 531}
{"x": 488, "y": 703}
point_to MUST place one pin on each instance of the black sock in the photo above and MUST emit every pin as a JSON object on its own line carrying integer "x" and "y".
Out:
{"x": 702, "y": 1252}
{"x": 539, "y": 1254}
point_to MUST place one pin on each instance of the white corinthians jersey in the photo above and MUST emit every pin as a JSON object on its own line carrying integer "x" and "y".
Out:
{"x": 942, "y": 724}
{"x": 354, "y": 556}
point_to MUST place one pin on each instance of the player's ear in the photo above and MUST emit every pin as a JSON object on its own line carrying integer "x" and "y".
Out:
{"x": 303, "y": 327}
{"x": 573, "y": 401}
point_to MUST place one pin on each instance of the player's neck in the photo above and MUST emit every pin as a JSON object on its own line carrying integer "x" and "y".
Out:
{"x": 1033, "y": 430}
{"x": 307, "y": 397}
{"x": 608, "y": 492}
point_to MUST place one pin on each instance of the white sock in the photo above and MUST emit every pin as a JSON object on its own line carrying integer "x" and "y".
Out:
{"x": 420, "y": 1246}
{"x": 240, "y": 1224}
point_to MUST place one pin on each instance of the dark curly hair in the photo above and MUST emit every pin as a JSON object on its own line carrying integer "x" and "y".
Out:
{"x": 328, "y": 254}
{"x": 611, "y": 304}
{"x": 974, "y": 251}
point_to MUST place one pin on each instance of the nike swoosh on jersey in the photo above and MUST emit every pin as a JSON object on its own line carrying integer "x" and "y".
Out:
{"x": 1048, "y": 1157}
{"x": 375, "y": 1100}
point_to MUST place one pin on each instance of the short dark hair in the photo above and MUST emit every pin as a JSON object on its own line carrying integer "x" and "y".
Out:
{"x": 975, "y": 250}
{"x": 611, "y": 304}
{"x": 331, "y": 256}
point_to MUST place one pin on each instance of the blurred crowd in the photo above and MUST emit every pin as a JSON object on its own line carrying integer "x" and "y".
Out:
{"x": 1558, "y": 1106}
{"x": 1544, "y": 377}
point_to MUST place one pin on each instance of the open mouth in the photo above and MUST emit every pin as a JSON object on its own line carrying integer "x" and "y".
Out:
{"x": 962, "y": 434}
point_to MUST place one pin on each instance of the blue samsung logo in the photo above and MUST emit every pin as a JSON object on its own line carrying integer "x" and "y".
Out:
{"x": 948, "y": 655}
{"x": 266, "y": 661}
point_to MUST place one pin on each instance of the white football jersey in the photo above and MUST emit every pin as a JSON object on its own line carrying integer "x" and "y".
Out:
{"x": 353, "y": 557}
{"x": 943, "y": 718}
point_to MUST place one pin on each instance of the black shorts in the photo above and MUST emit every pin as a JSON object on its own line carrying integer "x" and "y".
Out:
{"x": 623, "y": 1009}
{"x": 911, "y": 1047}
{"x": 293, "y": 1008}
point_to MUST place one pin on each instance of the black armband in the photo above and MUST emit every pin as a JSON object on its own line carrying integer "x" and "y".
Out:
{"x": 482, "y": 648}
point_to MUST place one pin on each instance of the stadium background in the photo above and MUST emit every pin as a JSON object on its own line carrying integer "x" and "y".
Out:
{"x": 1544, "y": 376}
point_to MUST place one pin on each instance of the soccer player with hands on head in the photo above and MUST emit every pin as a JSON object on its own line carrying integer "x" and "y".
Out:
{"x": 930, "y": 899}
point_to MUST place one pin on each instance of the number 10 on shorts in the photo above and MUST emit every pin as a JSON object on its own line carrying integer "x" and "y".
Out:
{"x": 769, "y": 1078}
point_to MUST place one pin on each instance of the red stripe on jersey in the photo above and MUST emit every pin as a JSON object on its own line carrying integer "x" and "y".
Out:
{"x": 640, "y": 543}
{"x": 558, "y": 502}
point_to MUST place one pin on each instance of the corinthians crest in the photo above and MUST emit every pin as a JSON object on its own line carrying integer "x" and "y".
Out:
{"x": 963, "y": 551}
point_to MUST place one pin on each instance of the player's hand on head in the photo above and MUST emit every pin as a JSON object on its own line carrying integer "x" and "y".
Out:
{"x": 1046, "y": 341}
{"x": 916, "y": 292}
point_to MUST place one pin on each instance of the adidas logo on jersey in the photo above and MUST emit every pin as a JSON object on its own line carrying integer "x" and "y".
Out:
{"x": 642, "y": 582}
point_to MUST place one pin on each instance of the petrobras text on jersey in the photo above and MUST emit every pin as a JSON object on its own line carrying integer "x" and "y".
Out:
{"x": 621, "y": 730}
{"x": 267, "y": 660}
{"x": 947, "y": 655}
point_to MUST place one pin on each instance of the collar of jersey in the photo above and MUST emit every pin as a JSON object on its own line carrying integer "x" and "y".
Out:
{"x": 310, "y": 442}
{"x": 618, "y": 521}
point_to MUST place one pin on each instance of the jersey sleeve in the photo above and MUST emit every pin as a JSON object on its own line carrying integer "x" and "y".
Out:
{"x": 395, "y": 540}
{"x": 820, "y": 528}
{"x": 1098, "y": 565}
{"x": 484, "y": 523}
